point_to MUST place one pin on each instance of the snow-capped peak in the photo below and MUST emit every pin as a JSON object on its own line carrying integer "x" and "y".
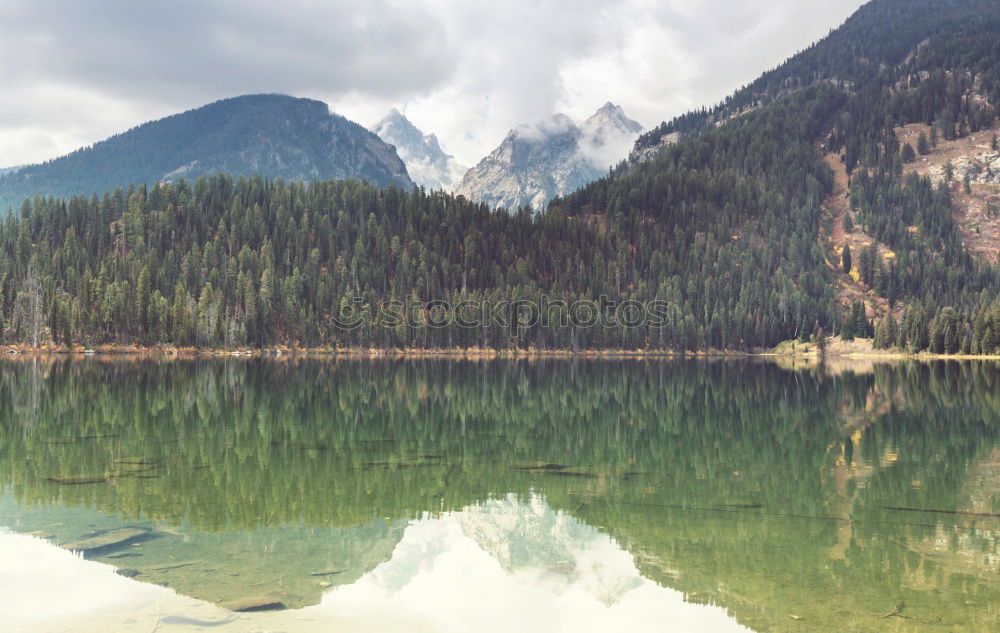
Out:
{"x": 552, "y": 157}
{"x": 611, "y": 116}
{"x": 428, "y": 164}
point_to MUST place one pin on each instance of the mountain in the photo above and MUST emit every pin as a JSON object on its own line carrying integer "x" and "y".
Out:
{"x": 426, "y": 162}
{"x": 882, "y": 43}
{"x": 608, "y": 135}
{"x": 275, "y": 136}
{"x": 796, "y": 208}
{"x": 538, "y": 162}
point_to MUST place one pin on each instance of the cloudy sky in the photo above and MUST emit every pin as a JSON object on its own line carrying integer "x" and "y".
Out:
{"x": 468, "y": 70}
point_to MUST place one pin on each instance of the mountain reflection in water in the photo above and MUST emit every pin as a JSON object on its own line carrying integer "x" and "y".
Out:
{"x": 472, "y": 569}
{"x": 706, "y": 495}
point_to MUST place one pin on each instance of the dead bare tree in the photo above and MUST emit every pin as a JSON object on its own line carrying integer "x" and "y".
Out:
{"x": 28, "y": 309}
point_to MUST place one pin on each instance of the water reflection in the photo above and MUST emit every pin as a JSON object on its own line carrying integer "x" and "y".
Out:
{"x": 504, "y": 565}
{"x": 793, "y": 500}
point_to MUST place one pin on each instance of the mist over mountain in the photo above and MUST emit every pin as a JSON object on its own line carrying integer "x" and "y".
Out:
{"x": 274, "y": 136}
{"x": 538, "y": 162}
{"x": 428, "y": 165}
{"x": 608, "y": 135}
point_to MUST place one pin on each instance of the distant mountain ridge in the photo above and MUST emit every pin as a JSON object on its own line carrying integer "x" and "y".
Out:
{"x": 538, "y": 162}
{"x": 427, "y": 163}
{"x": 275, "y": 136}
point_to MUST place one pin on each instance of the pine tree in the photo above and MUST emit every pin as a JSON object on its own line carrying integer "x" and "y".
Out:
{"x": 923, "y": 146}
{"x": 891, "y": 330}
{"x": 908, "y": 154}
{"x": 879, "y": 342}
{"x": 847, "y": 332}
{"x": 861, "y": 326}
{"x": 845, "y": 259}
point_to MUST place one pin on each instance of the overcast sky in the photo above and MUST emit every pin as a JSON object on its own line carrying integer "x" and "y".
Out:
{"x": 468, "y": 70}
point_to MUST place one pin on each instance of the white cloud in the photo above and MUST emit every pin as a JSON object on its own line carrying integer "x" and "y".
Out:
{"x": 467, "y": 70}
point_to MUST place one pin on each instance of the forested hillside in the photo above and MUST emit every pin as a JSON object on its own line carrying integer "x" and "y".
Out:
{"x": 885, "y": 40}
{"x": 726, "y": 232}
{"x": 254, "y": 263}
{"x": 894, "y": 62}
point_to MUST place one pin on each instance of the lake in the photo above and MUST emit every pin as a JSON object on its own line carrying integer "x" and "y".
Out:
{"x": 432, "y": 495}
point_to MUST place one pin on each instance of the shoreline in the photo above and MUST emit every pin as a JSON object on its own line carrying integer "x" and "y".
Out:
{"x": 350, "y": 352}
{"x": 803, "y": 353}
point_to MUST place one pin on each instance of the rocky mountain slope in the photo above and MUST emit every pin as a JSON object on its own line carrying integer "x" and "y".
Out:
{"x": 427, "y": 163}
{"x": 974, "y": 182}
{"x": 276, "y": 136}
{"x": 551, "y": 158}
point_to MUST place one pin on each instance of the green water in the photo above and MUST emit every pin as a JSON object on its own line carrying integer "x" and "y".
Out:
{"x": 796, "y": 501}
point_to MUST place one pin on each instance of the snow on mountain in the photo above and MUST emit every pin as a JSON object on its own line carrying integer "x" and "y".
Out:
{"x": 427, "y": 163}
{"x": 550, "y": 158}
{"x": 608, "y": 136}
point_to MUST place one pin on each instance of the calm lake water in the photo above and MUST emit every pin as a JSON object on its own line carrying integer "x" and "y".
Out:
{"x": 497, "y": 496}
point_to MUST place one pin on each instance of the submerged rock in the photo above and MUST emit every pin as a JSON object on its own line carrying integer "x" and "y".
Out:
{"x": 558, "y": 470}
{"x": 249, "y": 605}
{"x": 136, "y": 461}
{"x": 541, "y": 466}
{"x": 76, "y": 480}
{"x": 569, "y": 473}
{"x": 106, "y": 538}
{"x": 185, "y": 621}
{"x": 42, "y": 534}
{"x": 187, "y": 563}
{"x": 331, "y": 572}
